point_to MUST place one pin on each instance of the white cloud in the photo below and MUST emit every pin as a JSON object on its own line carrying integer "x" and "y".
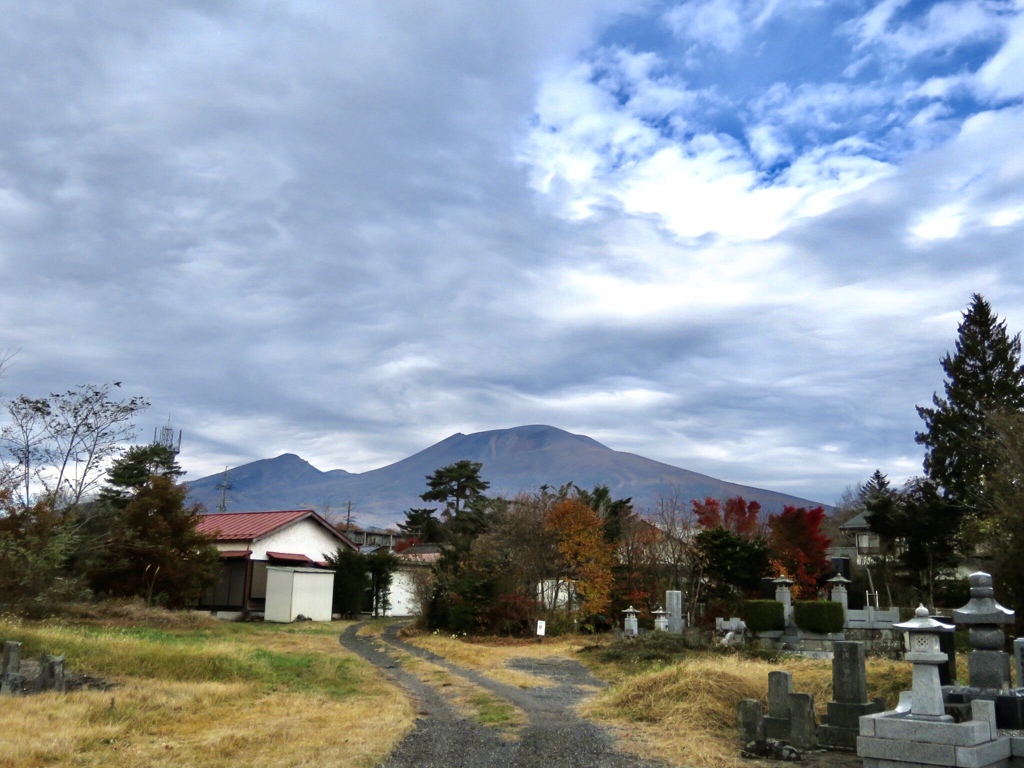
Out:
{"x": 717, "y": 23}
{"x": 1002, "y": 76}
{"x": 726, "y": 24}
{"x": 945, "y": 26}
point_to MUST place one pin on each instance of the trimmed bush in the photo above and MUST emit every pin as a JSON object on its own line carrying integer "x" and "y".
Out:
{"x": 763, "y": 615}
{"x": 821, "y": 616}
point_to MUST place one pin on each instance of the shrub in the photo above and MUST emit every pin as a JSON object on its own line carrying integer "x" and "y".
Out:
{"x": 763, "y": 615}
{"x": 821, "y": 616}
{"x": 647, "y": 648}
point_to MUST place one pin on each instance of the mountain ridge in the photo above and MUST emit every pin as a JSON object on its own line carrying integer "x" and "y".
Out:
{"x": 517, "y": 459}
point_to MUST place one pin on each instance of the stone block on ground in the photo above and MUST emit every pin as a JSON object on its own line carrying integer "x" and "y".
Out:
{"x": 750, "y": 713}
{"x": 802, "y": 724}
{"x": 51, "y": 674}
{"x": 989, "y": 670}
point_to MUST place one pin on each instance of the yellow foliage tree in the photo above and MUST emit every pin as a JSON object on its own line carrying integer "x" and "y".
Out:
{"x": 586, "y": 557}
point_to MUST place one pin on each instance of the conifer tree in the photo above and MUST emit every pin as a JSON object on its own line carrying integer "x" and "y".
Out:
{"x": 983, "y": 377}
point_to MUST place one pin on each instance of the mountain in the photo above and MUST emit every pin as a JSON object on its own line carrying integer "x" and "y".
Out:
{"x": 514, "y": 460}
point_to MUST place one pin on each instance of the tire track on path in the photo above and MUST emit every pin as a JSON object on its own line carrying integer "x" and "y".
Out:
{"x": 556, "y": 737}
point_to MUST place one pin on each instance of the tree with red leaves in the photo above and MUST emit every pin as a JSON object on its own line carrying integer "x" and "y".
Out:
{"x": 797, "y": 543}
{"x": 739, "y": 516}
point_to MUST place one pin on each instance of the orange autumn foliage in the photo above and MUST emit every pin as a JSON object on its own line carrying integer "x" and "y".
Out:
{"x": 586, "y": 556}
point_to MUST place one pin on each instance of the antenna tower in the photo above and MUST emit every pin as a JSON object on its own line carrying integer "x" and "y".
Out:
{"x": 165, "y": 436}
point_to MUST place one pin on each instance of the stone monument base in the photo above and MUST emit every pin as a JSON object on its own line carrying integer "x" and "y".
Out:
{"x": 841, "y": 726}
{"x": 901, "y": 740}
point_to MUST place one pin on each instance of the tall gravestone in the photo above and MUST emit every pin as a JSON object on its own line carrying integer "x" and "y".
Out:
{"x": 674, "y": 607}
{"x": 777, "y": 721}
{"x": 850, "y": 696}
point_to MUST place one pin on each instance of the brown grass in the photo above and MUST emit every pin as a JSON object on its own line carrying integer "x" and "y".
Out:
{"x": 209, "y": 724}
{"x": 686, "y": 712}
{"x": 133, "y": 612}
{"x": 223, "y": 695}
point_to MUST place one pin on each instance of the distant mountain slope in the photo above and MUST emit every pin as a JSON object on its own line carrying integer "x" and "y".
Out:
{"x": 514, "y": 460}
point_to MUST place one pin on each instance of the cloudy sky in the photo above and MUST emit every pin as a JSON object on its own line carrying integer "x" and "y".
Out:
{"x": 734, "y": 236}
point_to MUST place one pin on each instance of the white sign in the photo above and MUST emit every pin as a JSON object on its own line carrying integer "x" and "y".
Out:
{"x": 541, "y": 627}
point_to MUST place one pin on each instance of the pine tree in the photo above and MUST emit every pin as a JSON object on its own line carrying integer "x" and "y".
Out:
{"x": 457, "y": 485}
{"x": 150, "y": 546}
{"x": 983, "y": 377}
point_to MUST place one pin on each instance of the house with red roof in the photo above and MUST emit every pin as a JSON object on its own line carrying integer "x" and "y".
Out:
{"x": 251, "y": 542}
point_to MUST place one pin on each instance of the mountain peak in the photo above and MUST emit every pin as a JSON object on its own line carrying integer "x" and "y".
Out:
{"x": 515, "y": 460}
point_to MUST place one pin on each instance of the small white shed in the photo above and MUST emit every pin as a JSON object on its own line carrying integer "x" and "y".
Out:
{"x": 294, "y": 592}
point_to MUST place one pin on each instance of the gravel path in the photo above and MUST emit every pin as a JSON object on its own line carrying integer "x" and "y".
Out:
{"x": 555, "y": 737}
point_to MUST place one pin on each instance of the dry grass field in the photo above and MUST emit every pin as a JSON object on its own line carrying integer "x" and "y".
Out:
{"x": 193, "y": 691}
{"x": 683, "y": 711}
{"x": 686, "y": 711}
{"x": 492, "y": 656}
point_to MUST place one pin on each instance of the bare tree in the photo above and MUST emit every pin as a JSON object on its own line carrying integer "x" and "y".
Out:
{"x": 60, "y": 444}
{"x": 682, "y": 559}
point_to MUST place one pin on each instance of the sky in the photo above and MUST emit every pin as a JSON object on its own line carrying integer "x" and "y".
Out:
{"x": 733, "y": 236}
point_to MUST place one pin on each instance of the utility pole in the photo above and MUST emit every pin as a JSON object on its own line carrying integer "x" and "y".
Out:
{"x": 224, "y": 485}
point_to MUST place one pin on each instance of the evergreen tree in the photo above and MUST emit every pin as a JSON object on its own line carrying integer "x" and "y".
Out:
{"x": 732, "y": 565}
{"x": 132, "y": 471}
{"x": 1007, "y": 522}
{"x": 876, "y": 485}
{"x": 457, "y": 485}
{"x": 150, "y": 546}
{"x": 421, "y": 524}
{"x": 923, "y": 526}
{"x": 351, "y": 581}
{"x": 983, "y": 377}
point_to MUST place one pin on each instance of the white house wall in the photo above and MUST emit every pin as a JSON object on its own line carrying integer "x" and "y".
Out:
{"x": 402, "y": 595}
{"x": 302, "y": 538}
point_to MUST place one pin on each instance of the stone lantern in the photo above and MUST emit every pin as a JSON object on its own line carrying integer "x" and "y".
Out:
{"x": 784, "y": 594}
{"x": 839, "y": 592}
{"x": 629, "y": 626}
{"x": 988, "y": 666}
{"x": 924, "y": 653}
{"x": 660, "y": 619}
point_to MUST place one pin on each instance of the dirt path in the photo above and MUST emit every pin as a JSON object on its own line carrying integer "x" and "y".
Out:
{"x": 554, "y": 737}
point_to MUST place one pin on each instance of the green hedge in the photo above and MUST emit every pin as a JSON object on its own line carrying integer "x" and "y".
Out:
{"x": 822, "y": 616}
{"x": 763, "y": 615}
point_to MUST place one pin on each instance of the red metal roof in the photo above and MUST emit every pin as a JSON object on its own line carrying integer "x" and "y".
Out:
{"x": 235, "y": 554}
{"x": 248, "y": 526}
{"x": 288, "y": 557}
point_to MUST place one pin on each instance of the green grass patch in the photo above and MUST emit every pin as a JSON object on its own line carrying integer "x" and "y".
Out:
{"x": 229, "y": 654}
{"x": 493, "y": 711}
